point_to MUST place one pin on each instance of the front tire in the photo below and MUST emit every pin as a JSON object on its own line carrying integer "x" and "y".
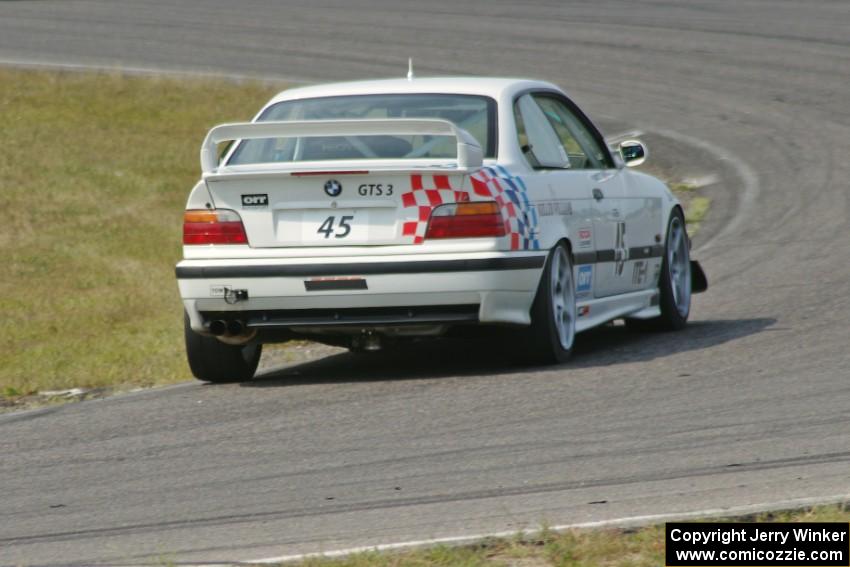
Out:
{"x": 674, "y": 281}
{"x": 550, "y": 338}
{"x": 213, "y": 361}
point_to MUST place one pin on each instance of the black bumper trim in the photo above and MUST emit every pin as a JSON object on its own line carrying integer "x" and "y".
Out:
{"x": 366, "y": 268}
{"x": 642, "y": 252}
{"x": 357, "y": 316}
{"x": 335, "y": 285}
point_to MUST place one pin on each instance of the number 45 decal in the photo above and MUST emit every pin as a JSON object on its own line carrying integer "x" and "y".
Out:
{"x": 621, "y": 251}
{"x": 341, "y": 230}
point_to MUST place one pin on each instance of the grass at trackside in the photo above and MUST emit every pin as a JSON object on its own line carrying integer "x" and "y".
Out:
{"x": 695, "y": 213}
{"x": 94, "y": 174}
{"x": 576, "y": 548}
{"x": 696, "y": 204}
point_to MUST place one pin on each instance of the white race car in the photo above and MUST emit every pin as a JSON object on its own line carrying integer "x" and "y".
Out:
{"x": 364, "y": 213}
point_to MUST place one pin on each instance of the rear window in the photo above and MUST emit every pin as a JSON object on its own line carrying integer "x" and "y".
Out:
{"x": 475, "y": 114}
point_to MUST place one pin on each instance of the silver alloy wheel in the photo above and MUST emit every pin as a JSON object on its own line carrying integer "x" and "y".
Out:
{"x": 679, "y": 266}
{"x": 563, "y": 298}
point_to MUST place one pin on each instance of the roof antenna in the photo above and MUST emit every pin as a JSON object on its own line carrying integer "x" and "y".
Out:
{"x": 410, "y": 68}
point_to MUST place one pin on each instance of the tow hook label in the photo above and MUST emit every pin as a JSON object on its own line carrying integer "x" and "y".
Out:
{"x": 220, "y": 290}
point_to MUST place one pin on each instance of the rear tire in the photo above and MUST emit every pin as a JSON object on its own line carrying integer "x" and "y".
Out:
{"x": 551, "y": 336}
{"x": 213, "y": 361}
{"x": 674, "y": 282}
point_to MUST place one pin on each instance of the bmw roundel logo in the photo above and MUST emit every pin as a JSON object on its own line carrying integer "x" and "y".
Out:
{"x": 333, "y": 188}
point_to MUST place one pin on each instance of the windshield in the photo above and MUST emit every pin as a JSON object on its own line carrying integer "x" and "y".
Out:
{"x": 475, "y": 114}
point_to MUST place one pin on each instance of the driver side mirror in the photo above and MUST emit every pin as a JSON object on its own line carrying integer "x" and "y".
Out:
{"x": 634, "y": 152}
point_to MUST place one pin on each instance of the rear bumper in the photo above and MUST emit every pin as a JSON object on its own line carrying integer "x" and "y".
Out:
{"x": 327, "y": 292}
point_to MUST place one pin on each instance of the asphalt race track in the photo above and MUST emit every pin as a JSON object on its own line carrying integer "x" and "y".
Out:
{"x": 749, "y": 406}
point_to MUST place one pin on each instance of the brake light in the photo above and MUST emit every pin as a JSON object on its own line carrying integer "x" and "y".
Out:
{"x": 219, "y": 226}
{"x": 465, "y": 220}
{"x": 328, "y": 173}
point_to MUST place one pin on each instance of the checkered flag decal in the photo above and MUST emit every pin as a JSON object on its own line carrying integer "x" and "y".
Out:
{"x": 496, "y": 183}
{"x": 511, "y": 195}
{"x": 427, "y": 192}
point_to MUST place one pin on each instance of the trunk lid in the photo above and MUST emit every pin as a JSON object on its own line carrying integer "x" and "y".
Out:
{"x": 336, "y": 208}
{"x": 339, "y": 202}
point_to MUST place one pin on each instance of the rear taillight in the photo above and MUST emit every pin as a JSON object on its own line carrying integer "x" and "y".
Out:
{"x": 219, "y": 226}
{"x": 465, "y": 220}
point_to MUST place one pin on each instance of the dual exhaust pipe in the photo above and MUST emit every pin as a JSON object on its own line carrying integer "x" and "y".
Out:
{"x": 220, "y": 327}
{"x": 231, "y": 332}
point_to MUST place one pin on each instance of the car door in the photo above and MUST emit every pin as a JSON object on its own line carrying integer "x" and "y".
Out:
{"x": 590, "y": 158}
{"x": 625, "y": 219}
{"x": 642, "y": 211}
{"x": 565, "y": 205}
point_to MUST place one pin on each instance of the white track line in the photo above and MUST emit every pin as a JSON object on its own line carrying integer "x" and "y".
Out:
{"x": 131, "y": 70}
{"x": 749, "y": 178}
{"x": 700, "y": 182}
{"x": 613, "y": 139}
{"x": 630, "y": 521}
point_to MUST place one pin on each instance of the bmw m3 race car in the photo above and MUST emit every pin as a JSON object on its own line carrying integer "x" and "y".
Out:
{"x": 366, "y": 212}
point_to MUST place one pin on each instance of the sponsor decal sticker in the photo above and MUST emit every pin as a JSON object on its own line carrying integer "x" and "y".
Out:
{"x": 585, "y": 238}
{"x": 257, "y": 200}
{"x": 639, "y": 271}
{"x": 555, "y": 208}
{"x": 584, "y": 282}
{"x": 584, "y": 311}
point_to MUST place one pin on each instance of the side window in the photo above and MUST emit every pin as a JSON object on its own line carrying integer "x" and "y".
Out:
{"x": 536, "y": 138}
{"x": 583, "y": 150}
{"x": 522, "y": 138}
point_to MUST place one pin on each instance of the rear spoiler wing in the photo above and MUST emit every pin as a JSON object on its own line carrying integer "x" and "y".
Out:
{"x": 469, "y": 153}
